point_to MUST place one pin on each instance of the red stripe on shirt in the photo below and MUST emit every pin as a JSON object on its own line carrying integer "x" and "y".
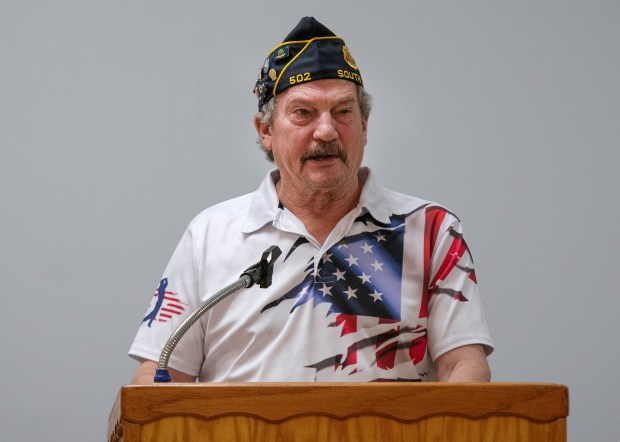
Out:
{"x": 434, "y": 217}
{"x": 349, "y": 323}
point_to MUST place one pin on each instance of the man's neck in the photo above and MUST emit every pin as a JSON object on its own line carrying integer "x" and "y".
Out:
{"x": 320, "y": 211}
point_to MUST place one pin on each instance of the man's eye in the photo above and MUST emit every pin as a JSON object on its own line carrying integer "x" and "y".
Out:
{"x": 302, "y": 112}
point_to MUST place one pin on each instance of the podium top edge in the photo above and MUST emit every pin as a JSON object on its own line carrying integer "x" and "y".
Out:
{"x": 403, "y": 401}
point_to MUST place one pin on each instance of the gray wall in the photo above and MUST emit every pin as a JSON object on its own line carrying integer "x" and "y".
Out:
{"x": 121, "y": 120}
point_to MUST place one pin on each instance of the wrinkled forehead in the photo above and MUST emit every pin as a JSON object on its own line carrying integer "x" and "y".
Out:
{"x": 321, "y": 92}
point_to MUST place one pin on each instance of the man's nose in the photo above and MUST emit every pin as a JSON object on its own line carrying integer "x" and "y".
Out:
{"x": 325, "y": 129}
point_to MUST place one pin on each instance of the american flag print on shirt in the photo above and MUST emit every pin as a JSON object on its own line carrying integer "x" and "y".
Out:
{"x": 360, "y": 278}
{"x": 167, "y": 305}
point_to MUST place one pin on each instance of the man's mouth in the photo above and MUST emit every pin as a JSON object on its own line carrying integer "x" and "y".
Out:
{"x": 322, "y": 157}
{"x": 326, "y": 151}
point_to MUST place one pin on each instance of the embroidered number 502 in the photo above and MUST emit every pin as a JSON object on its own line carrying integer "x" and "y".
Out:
{"x": 299, "y": 78}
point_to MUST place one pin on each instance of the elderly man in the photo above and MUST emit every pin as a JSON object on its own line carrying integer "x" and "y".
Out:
{"x": 373, "y": 285}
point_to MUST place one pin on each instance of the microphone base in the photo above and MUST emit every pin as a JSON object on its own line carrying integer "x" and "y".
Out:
{"x": 162, "y": 375}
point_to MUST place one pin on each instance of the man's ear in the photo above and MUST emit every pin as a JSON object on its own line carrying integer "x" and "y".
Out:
{"x": 365, "y": 130}
{"x": 263, "y": 130}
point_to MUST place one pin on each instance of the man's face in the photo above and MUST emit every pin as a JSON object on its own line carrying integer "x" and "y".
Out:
{"x": 317, "y": 136}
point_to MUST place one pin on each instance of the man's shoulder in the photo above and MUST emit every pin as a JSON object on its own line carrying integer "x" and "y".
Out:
{"x": 244, "y": 214}
{"x": 406, "y": 201}
{"x": 401, "y": 204}
{"x": 228, "y": 210}
{"x": 384, "y": 203}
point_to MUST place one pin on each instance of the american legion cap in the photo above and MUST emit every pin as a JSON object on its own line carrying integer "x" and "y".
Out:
{"x": 309, "y": 52}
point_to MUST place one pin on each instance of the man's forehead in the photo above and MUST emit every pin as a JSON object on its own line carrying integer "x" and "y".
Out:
{"x": 321, "y": 90}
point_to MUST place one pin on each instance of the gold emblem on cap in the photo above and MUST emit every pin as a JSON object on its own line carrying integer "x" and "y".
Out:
{"x": 273, "y": 74}
{"x": 282, "y": 53}
{"x": 348, "y": 57}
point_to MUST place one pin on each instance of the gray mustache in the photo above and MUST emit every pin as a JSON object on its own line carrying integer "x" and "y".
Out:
{"x": 326, "y": 149}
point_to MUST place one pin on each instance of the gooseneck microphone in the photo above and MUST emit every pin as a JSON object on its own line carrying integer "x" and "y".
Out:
{"x": 260, "y": 273}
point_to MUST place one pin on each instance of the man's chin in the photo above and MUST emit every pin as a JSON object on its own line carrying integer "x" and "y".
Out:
{"x": 324, "y": 174}
{"x": 323, "y": 162}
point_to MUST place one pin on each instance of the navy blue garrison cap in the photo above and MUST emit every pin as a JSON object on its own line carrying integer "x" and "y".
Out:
{"x": 309, "y": 52}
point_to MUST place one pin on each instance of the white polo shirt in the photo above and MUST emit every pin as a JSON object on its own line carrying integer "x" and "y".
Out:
{"x": 392, "y": 288}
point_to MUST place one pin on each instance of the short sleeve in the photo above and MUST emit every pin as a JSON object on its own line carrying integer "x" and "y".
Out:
{"x": 456, "y": 317}
{"x": 175, "y": 297}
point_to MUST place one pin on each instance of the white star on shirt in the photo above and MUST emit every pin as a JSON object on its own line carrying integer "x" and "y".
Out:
{"x": 352, "y": 260}
{"x": 327, "y": 257}
{"x": 339, "y": 275}
{"x": 380, "y": 237}
{"x": 365, "y": 278}
{"x": 326, "y": 290}
{"x": 367, "y": 248}
{"x": 377, "y": 296}
{"x": 377, "y": 265}
{"x": 350, "y": 293}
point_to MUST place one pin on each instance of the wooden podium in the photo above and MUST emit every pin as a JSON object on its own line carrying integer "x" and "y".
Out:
{"x": 372, "y": 412}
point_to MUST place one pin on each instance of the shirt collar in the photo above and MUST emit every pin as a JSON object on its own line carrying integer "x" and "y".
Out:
{"x": 264, "y": 205}
{"x": 373, "y": 198}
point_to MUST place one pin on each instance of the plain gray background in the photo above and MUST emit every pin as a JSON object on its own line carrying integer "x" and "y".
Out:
{"x": 121, "y": 120}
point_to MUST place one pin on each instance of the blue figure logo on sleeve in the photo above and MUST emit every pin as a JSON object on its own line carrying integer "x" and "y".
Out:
{"x": 168, "y": 304}
{"x": 161, "y": 294}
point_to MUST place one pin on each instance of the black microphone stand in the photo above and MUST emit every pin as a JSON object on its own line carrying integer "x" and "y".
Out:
{"x": 260, "y": 273}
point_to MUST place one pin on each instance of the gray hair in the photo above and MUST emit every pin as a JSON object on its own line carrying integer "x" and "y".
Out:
{"x": 267, "y": 112}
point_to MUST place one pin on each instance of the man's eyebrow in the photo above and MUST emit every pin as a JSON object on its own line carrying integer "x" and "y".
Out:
{"x": 308, "y": 102}
{"x": 298, "y": 101}
{"x": 347, "y": 100}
